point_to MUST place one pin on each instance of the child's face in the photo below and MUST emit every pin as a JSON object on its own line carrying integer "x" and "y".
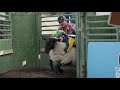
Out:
{"x": 61, "y": 38}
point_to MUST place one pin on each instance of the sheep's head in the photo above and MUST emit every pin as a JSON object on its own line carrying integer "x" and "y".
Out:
{"x": 50, "y": 44}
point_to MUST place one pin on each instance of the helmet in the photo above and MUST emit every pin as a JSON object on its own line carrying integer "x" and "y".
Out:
{"x": 60, "y": 33}
{"x": 61, "y": 18}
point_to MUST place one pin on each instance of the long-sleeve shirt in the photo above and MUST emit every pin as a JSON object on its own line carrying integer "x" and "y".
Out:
{"x": 69, "y": 29}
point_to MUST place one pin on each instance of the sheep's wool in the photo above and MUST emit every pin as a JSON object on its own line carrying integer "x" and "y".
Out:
{"x": 56, "y": 54}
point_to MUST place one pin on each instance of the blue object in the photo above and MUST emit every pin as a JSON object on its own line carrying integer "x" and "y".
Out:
{"x": 102, "y": 59}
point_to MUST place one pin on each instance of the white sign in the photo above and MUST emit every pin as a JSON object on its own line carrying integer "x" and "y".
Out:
{"x": 117, "y": 69}
{"x": 117, "y": 74}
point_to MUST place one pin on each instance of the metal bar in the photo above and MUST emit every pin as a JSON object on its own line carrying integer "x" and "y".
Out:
{"x": 49, "y": 21}
{"x": 38, "y": 33}
{"x": 117, "y": 31}
{"x": 3, "y": 35}
{"x": 105, "y": 21}
{"x": 10, "y": 14}
{"x": 4, "y": 15}
{"x": 6, "y": 20}
{"x": 54, "y": 20}
{"x": 102, "y": 34}
{"x": 101, "y": 40}
{"x": 97, "y": 16}
{"x": 5, "y": 30}
{"x": 77, "y": 46}
{"x": 57, "y": 15}
{"x": 50, "y": 25}
{"x": 5, "y": 39}
{"x": 86, "y": 46}
{"x": 82, "y": 46}
{"x": 101, "y": 28}
{"x": 5, "y": 25}
{"x": 50, "y": 30}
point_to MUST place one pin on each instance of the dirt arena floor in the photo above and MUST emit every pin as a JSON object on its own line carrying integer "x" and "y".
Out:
{"x": 69, "y": 72}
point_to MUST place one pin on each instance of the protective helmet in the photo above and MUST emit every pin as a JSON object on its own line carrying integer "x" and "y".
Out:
{"x": 60, "y": 33}
{"x": 61, "y": 18}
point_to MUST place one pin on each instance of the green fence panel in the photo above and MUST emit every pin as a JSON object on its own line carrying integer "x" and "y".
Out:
{"x": 24, "y": 26}
{"x": 99, "y": 30}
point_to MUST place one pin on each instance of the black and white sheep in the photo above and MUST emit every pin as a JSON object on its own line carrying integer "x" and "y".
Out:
{"x": 55, "y": 48}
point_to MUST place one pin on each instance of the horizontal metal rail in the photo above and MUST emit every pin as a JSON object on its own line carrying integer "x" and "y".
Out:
{"x": 102, "y": 40}
{"x": 103, "y": 17}
{"x": 4, "y": 35}
{"x": 50, "y": 30}
{"x": 50, "y": 25}
{"x": 97, "y": 28}
{"x": 109, "y": 34}
{"x": 57, "y": 15}
{"x": 5, "y": 30}
{"x": 54, "y": 20}
{"x": 97, "y": 21}
{"x": 4, "y": 15}
{"x": 5, "y": 20}
{"x": 5, "y": 25}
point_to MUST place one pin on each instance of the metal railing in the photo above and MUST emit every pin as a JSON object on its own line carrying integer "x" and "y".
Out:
{"x": 99, "y": 30}
{"x": 5, "y": 33}
{"x": 5, "y": 26}
{"x": 52, "y": 28}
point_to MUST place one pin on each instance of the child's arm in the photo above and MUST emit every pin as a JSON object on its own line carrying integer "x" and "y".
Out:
{"x": 71, "y": 43}
{"x": 67, "y": 46}
{"x": 67, "y": 43}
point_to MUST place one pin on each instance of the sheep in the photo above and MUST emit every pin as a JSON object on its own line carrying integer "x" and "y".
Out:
{"x": 55, "y": 48}
{"x": 57, "y": 56}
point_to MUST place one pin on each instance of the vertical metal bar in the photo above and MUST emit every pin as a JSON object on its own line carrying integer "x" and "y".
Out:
{"x": 86, "y": 46}
{"x": 38, "y": 29}
{"x": 80, "y": 34}
{"x": 40, "y": 35}
{"x": 82, "y": 59}
{"x": 10, "y": 16}
{"x": 77, "y": 45}
{"x": 118, "y": 34}
{"x": 86, "y": 43}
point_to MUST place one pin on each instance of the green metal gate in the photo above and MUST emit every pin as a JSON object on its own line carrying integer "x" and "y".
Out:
{"x": 19, "y": 40}
{"x": 25, "y": 40}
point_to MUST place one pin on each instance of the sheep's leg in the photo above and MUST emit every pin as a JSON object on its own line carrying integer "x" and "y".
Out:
{"x": 55, "y": 71}
{"x": 60, "y": 70}
{"x": 51, "y": 66}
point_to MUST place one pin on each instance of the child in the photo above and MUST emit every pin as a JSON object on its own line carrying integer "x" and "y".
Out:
{"x": 65, "y": 38}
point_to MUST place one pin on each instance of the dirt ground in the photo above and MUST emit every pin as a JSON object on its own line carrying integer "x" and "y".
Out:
{"x": 38, "y": 73}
